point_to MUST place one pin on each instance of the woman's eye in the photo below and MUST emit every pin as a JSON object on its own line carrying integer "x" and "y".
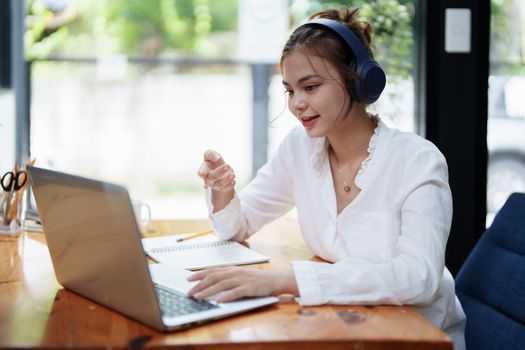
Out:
{"x": 288, "y": 92}
{"x": 311, "y": 88}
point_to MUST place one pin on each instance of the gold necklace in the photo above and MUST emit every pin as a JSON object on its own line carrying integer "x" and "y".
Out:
{"x": 346, "y": 186}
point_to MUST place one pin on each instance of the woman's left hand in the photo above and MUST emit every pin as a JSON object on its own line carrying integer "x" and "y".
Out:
{"x": 237, "y": 282}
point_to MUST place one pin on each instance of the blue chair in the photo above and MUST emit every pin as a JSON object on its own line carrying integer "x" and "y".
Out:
{"x": 491, "y": 282}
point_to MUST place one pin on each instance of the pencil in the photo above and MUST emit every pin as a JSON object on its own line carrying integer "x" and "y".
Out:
{"x": 198, "y": 234}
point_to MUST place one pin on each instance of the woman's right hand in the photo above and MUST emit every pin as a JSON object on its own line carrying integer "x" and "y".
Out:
{"x": 215, "y": 173}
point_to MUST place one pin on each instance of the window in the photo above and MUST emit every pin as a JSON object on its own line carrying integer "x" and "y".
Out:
{"x": 134, "y": 92}
{"x": 506, "y": 114}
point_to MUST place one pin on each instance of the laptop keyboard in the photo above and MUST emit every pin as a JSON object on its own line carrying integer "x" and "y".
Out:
{"x": 173, "y": 303}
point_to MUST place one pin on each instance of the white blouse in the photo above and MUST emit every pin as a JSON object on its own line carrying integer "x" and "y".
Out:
{"x": 386, "y": 247}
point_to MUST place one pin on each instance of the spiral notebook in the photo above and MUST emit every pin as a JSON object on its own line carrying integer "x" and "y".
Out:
{"x": 200, "y": 252}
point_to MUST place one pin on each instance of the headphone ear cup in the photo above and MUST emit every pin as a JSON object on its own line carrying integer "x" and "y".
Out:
{"x": 373, "y": 83}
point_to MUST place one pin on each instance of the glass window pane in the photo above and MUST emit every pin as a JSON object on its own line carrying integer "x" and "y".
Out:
{"x": 506, "y": 110}
{"x": 135, "y": 91}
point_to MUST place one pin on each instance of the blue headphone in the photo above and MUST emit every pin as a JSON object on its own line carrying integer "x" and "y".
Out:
{"x": 369, "y": 89}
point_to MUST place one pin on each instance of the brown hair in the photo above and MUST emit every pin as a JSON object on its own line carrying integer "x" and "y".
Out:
{"x": 327, "y": 45}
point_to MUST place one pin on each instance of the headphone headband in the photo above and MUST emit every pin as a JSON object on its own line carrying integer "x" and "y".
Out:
{"x": 373, "y": 77}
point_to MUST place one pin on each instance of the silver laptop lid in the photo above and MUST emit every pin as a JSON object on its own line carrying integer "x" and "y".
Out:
{"x": 94, "y": 242}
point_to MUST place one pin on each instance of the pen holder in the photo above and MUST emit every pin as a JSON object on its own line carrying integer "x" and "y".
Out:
{"x": 13, "y": 229}
{"x": 13, "y": 200}
{"x": 10, "y": 221}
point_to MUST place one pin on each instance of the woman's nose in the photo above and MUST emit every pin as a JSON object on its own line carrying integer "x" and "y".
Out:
{"x": 298, "y": 103}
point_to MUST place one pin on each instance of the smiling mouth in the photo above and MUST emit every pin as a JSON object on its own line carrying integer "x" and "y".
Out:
{"x": 305, "y": 119}
{"x": 309, "y": 121}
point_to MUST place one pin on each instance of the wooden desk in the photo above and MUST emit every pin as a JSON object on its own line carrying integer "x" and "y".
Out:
{"x": 35, "y": 312}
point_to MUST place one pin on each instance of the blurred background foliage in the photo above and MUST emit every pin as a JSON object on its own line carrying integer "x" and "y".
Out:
{"x": 207, "y": 28}
{"x": 128, "y": 27}
{"x": 507, "y": 42}
{"x": 204, "y": 28}
{"x": 392, "y": 21}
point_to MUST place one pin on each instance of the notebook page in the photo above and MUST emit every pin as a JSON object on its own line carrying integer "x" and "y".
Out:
{"x": 208, "y": 252}
{"x": 153, "y": 243}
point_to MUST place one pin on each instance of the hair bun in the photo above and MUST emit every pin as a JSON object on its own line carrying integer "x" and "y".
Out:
{"x": 348, "y": 16}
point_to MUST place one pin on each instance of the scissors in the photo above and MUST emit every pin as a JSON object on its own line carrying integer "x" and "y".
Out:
{"x": 12, "y": 181}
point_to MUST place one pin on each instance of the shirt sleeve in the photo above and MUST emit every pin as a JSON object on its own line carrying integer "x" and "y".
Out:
{"x": 268, "y": 196}
{"x": 414, "y": 273}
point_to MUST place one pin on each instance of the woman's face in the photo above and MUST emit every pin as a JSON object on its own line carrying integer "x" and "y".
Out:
{"x": 316, "y": 94}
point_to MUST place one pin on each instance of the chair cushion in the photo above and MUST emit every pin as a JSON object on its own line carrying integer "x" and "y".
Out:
{"x": 489, "y": 329}
{"x": 491, "y": 282}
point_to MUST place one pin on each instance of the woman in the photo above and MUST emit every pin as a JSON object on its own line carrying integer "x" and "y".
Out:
{"x": 373, "y": 202}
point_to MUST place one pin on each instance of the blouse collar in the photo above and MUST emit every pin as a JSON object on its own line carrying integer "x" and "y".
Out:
{"x": 320, "y": 153}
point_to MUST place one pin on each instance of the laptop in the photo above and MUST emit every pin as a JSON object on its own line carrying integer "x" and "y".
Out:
{"x": 96, "y": 251}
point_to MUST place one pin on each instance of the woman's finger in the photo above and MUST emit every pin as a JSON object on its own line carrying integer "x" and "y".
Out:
{"x": 219, "y": 172}
{"x": 211, "y": 161}
{"x": 220, "y": 177}
{"x": 212, "y": 156}
{"x": 206, "y": 277}
{"x": 222, "y": 183}
{"x": 199, "y": 275}
{"x": 221, "y": 286}
{"x": 229, "y": 186}
{"x": 234, "y": 294}
{"x": 203, "y": 171}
